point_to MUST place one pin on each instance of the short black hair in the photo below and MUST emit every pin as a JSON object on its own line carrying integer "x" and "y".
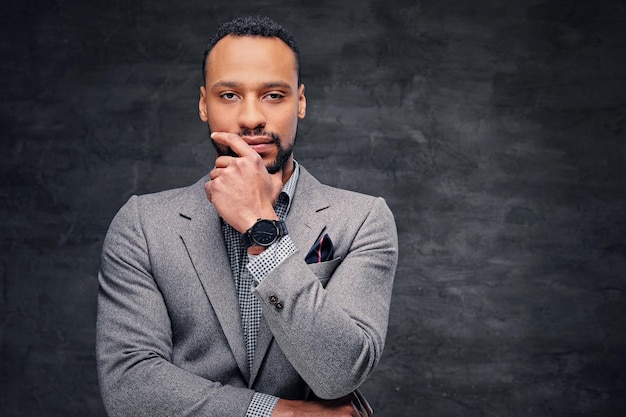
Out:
{"x": 252, "y": 26}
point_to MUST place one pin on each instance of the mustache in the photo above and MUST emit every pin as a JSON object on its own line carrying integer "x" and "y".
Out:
{"x": 226, "y": 151}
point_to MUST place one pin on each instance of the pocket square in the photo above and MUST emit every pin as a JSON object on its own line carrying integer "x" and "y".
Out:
{"x": 321, "y": 251}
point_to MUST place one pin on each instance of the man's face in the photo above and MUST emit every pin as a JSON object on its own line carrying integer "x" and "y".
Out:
{"x": 251, "y": 89}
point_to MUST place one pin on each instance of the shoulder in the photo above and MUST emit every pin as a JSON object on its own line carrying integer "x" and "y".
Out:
{"x": 312, "y": 187}
{"x": 339, "y": 201}
{"x": 175, "y": 198}
{"x": 352, "y": 219}
{"x": 164, "y": 206}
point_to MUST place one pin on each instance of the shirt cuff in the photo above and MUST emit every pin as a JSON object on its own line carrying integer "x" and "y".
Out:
{"x": 260, "y": 266}
{"x": 262, "y": 405}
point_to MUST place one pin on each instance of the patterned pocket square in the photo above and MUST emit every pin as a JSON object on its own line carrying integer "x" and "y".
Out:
{"x": 322, "y": 251}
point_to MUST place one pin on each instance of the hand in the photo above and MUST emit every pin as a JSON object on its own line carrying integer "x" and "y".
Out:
{"x": 241, "y": 189}
{"x": 347, "y": 406}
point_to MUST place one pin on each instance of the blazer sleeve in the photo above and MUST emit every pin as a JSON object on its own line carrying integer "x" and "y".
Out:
{"x": 334, "y": 335}
{"x": 134, "y": 338}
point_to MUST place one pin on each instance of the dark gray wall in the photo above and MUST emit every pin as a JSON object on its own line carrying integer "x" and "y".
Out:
{"x": 495, "y": 130}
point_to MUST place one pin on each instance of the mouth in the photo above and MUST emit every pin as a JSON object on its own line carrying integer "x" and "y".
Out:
{"x": 257, "y": 140}
{"x": 261, "y": 144}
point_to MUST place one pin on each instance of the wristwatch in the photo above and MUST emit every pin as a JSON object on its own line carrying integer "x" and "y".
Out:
{"x": 264, "y": 233}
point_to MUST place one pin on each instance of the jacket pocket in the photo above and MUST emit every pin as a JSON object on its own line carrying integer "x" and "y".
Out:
{"x": 324, "y": 270}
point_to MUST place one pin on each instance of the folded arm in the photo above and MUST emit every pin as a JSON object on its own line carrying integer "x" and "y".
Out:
{"x": 334, "y": 336}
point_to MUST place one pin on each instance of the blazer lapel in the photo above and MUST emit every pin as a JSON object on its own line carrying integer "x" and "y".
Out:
{"x": 305, "y": 223}
{"x": 203, "y": 239}
{"x": 306, "y": 220}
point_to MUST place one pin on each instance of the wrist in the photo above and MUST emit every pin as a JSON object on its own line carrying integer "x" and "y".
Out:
{"x": 256, "y": 250}
{"x": 286, "y": 408}
{"x": 255, "y": 215}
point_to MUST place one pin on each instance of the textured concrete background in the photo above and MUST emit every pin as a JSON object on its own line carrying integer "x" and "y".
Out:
{"x": 495, "y": 130}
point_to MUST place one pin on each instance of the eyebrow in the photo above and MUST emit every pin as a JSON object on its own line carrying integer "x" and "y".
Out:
{"x": 233, "y": 84}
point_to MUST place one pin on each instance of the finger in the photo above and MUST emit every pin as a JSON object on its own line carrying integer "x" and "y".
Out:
{"x": 234, "y": 142}
{"x": 207, "y": 191}
{"x": 216, "y": 172}
{"x": 223, "y": 161}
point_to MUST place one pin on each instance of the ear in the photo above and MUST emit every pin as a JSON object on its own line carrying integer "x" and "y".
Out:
{"x": 301, "y": 102}
{"x": 202, "y": 105}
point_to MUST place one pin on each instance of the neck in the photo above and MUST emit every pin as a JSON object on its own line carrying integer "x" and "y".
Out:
{"x": 288, "y": 170}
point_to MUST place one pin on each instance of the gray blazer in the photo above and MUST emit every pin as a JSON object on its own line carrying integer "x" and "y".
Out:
{"x": 169, "y": 336}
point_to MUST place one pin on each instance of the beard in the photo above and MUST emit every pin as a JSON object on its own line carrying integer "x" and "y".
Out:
{"x": 281, "y": 157}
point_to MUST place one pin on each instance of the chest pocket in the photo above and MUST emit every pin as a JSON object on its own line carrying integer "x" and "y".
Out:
{"x": 324, "y": 270}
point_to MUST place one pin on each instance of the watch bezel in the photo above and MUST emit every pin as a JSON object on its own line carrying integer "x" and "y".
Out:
{"x": 265, "y": 232}
{"x": 277, "y": 230}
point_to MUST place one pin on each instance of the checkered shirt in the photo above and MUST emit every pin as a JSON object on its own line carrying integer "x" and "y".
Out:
{"x": 249, "y": 271}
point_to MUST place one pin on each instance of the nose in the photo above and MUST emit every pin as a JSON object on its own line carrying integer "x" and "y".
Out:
{"x": 251, "y": 115}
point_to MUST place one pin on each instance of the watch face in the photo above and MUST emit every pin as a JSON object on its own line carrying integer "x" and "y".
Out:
{"x": 264, "y": 233}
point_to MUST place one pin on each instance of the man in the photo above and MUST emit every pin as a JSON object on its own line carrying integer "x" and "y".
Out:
{"x": 256, "y": 291}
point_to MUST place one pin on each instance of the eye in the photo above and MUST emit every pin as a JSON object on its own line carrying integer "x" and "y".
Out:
{"x": 275, "y": 96}
{"x": 228, "y": 96}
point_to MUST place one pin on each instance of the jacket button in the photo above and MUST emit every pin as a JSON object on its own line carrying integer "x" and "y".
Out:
{"x": 279, "y": 306}
{"x": 273, "y": 299}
